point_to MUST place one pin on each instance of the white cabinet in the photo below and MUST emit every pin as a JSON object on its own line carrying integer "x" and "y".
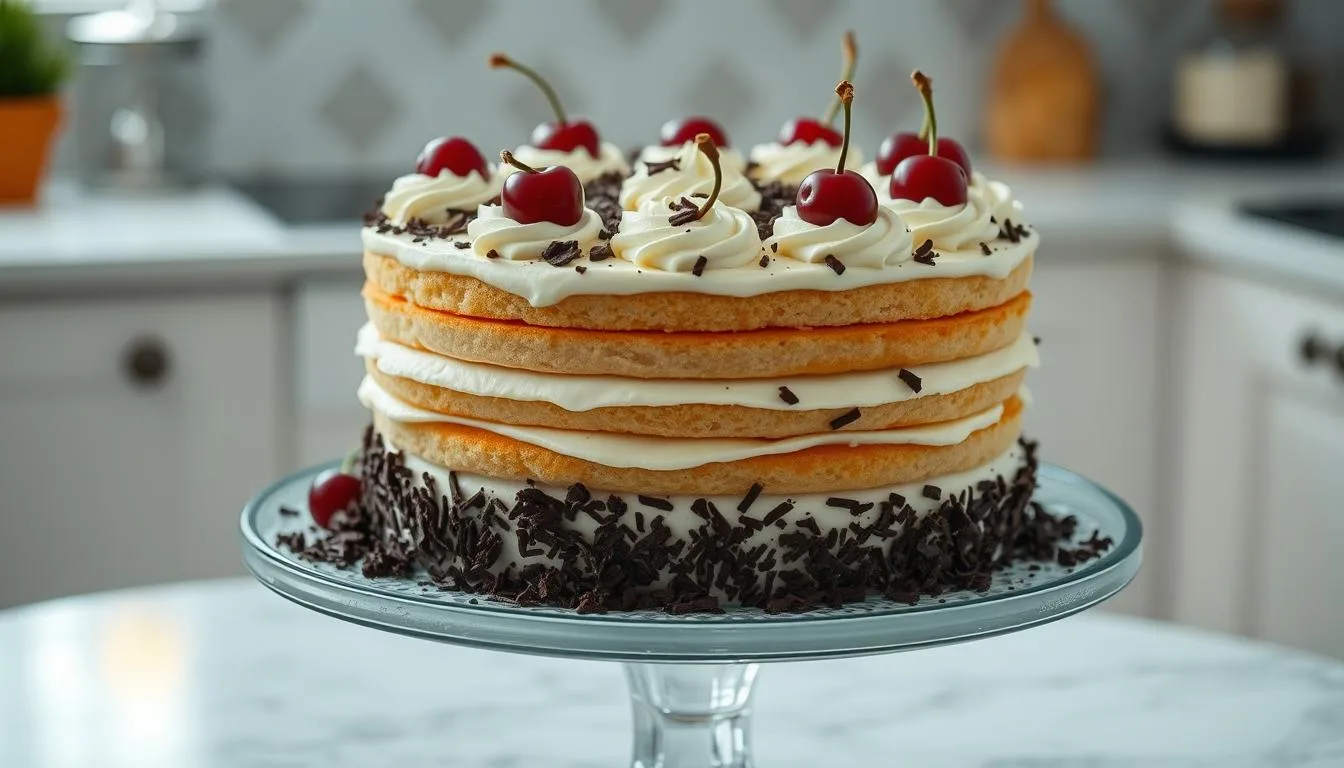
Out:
{"x": 1097, "y": 404}
{"x": 132, "y": 431}
{"x": 329, "y": 419}
{"x": 1260, "y": 487}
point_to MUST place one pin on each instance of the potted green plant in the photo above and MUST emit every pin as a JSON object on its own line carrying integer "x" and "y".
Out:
{"x": 31, "y": 70}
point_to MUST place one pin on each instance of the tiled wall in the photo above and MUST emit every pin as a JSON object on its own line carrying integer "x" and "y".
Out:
{"x": 338, "y": 85}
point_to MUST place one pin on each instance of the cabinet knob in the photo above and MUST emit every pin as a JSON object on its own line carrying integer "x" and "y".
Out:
{"x": 147, "y": 362}
{"x": 1312, "y": 349}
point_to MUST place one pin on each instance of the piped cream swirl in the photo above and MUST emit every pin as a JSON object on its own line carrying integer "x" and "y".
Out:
{"x": 694, "y": 173}
{"x": 950, "y": 227}
{"x": 725, "y": 236}
{"x": 998, "y": 198}
{"x": 730, "y": 159}
{"x": 790, "y": 163}
{"x": 430, "y": 198}
{"x": 609, "y": 159}
{"x": 491, "y": 230}
{"x": 884, "y": 242}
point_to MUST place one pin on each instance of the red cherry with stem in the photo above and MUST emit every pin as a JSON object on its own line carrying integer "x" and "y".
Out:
{"x": 807, "y": 130}
{"x": 918, "y": 177}
{"x": 552, "y": 194}
{"x": 454, "y": 154}
{"x": 826, "y": 196}
{"x": 677, "y": 132}
{"x": 563, "y": 135}
{"x": 332, "y": 491}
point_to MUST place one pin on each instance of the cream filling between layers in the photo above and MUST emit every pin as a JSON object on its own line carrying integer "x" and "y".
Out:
{"x": 585, "y": 393}
{"x": 543, "y": 285}
{"x": 681, "y": 520}
{"x": 666, "y": 454}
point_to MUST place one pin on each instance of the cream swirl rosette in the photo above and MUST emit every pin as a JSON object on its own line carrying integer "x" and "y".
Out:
{"x": 434, "y": 198}
{"x": 690, "y": 172}
{"x": 609, "y": 159}
{"x": 950, "y": 227}
{"x": 511, "y": 240}
{"x": 998, "y": 198}
{"x": 883, "y": 243}
{"x": 725, "y": 237}
{"x": 791, "y": 163}
{"x": 731, "y": 159}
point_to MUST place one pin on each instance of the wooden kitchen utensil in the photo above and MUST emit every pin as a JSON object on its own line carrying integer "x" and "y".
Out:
{"x": 1044, "y": 99}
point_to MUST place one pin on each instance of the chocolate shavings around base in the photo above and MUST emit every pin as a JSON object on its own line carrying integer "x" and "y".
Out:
{"x": 750, "y": 498}
{"x": 787, "y": 396}
{"x": 911, "y": 380}
{"x": 655, "y": 502}
{"x": 845, "y": 419}
{"x": 900, "y": 554}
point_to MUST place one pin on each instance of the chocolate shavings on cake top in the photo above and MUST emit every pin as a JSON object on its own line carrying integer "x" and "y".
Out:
{"x": 684, "y": 210}
{"x": 419, "y": 229}
{"x": 561, "y": 252}
{"x": 632, "y": 561}
{"x": 775, "y": 196}
{"x": 602, "y": 195}
{"x": 837, "y": 266}
{"x": 699, "y": 268}
{"x": 654, "y": 169}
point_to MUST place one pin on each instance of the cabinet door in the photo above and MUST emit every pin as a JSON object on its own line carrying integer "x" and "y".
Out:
{"x": 1096, "y": 392}
{"x": 131, "y": 434}
{"x": 1261, "y": 471}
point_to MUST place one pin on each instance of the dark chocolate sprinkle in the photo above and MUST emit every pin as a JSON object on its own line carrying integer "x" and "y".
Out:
{"x": 461, "y": 244}
{"x": 667, "y": 165}
{"x": 787, "y": 396}
{"x": 599, "y": 252}
{"x": 750, "y": 498}
{"x": 932, "y": 492}
{"x": 924, "y": 248}
{"x": 699, "y": 268}
{"x": 656, "y": 503}
{"x": 492, "y": 254}
{"x": 911, "y": 380}
{"x": 846, "y": 418}
{"x": 765, "y": 260}
{"x": 580, "y": 268}
{"x": 561, "y": 252}
{"x": 835, "y": 264}
{"x": 984, "y": 248}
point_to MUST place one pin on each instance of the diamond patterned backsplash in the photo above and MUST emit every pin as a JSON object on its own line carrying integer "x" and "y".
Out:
{"x": 333, "y": 86}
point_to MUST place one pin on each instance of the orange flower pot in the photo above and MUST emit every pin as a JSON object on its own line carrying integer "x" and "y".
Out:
{"x": 27, "y": 126}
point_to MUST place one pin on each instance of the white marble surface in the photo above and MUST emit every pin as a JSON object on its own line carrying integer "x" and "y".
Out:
{"x": 226, "y": 674}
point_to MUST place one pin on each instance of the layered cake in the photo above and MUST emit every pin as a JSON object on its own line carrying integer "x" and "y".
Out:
{"x": 696, "y": 383}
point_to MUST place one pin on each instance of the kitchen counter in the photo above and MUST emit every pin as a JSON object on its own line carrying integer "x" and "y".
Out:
{"x": 224, "y": 673}
{"x": 76, "y": 240}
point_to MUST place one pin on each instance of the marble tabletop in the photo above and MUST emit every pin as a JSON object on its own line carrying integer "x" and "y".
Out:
{"x": 220, "y": 674}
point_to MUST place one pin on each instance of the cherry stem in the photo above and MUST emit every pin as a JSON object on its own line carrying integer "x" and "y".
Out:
{"x": 850, "y": 49}
{"x": 925, "y": 86}
{"x": 507, "y": 157}
{"x": 845, "y": 92}
{"x": 499, "y": 60}
{"x": 348, "y": 463}
{"x": 706, "y": 145}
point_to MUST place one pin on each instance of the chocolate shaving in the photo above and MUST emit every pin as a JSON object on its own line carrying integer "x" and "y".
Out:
{"x": 750, "y": 498}
{"x": 845, "y": 419}
{"x": 699, "y": 268}
{"x": 655, "y": 502}
{"x": 932, "y": 492}
{"x": 599, "y": 252}
{"x": 580, "y": 268}
{"x": 926, "y": 258}
{"x": 787, "y": 396}
{"x": 418, "y": 228}
{"x": 984, "y": 248}
{"x": 924, "y": 247}
{"x": 561, "y": 252}
{"x": 765, "y": 260}
{"x": 835, "y": 264}
{"x": 461, "y": 245}
{"x": 667, "y": 165}
{"x": 492, "y": 254}
{"x": 911, "y": 380}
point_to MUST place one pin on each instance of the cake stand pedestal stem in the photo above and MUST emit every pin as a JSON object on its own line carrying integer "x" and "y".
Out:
{"x": 691, "y": 715}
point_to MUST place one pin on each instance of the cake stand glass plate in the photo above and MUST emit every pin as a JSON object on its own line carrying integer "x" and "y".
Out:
{"x": 691, "y": 676}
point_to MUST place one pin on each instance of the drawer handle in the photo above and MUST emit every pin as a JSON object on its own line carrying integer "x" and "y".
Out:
{"x": 147, "y": 362}
{"x": 1312, "y": 349}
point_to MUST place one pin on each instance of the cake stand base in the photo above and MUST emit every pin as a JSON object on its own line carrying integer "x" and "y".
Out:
{"x": 691, "y": 677}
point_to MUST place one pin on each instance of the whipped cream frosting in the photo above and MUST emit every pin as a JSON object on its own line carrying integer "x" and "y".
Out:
{"x": 681, "y": 519}
{"x": 584, "y": 393}
{"x": 617, "y": 277}
{"x": 491, "y": 230}
{"x": 998, "y": 198}
{"x": 790, "y": 163}
{"x": 950, "y": 227}
{"x": 725, "y": 237}
{"x": 694, "y": 174}
{"x": 883, "y": 243}
{"x": 430, "y": 198}
{"x": 610, "y": 159}
{"x": 729, "y": 158}
{"x": 669, "y": 454}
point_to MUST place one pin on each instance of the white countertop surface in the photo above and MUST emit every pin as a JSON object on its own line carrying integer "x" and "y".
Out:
{"x": 226, "y": 674}
{"x": 77, "y": 239}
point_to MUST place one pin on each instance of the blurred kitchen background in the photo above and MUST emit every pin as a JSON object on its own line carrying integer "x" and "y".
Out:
{"x": 178, "y": 306}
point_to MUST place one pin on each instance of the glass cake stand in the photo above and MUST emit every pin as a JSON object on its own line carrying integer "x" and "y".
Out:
{"x": 690, "y": 677}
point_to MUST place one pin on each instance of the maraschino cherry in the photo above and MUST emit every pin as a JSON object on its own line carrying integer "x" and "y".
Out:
{"x": 454, "y": 154}
{"x": 678, "y": 132}
{"x": 550, "y": 194}
{"x": 826, "y": 196}
{"x": 332, "y": 491}
{"x": 899, "y": 146}
{"x": 808, "y": 130}
{"x": 928, "y": 175}
{"x": 563, "y": 135}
